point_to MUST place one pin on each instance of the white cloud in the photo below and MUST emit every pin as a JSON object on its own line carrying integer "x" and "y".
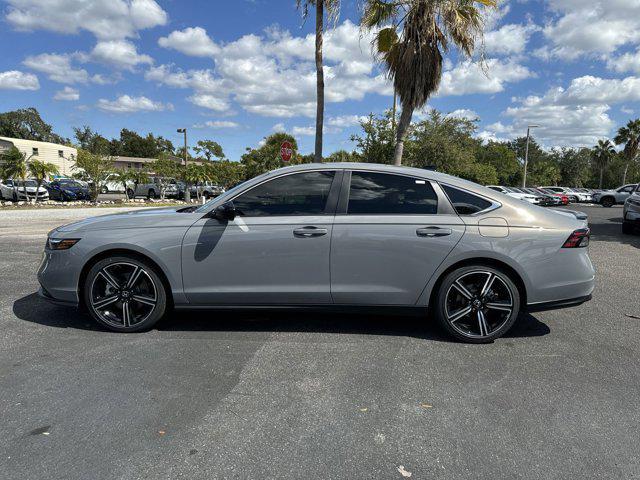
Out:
{"x": 627, "y": 62}
{"x": 257, "y": 71}
{"x": 345, "y": 121}
{"x": 590, "y": 27}
{"x": 67, "y": 94}
{"x": 468, "y": 77}
{"x": 509, "y": 39}
{"x": 121, "y": 54}
{"x": 463, "y": 113}
{"x": 16, "y": 80}
{"x": 221, "y": 124}
{"x": 210, "y": 102}
{"x": 57, "y": 67}
{"x": 279, "y": 127}
{"x": 304, "y": 131}
{"x": 190, "y": 41}
{"x": 106, "y": 19}
{"x": 576, "y": 116}
{"x": 128, "y": 104}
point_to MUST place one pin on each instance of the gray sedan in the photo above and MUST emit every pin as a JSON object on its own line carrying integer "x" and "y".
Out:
{"x": 331, "y": 235}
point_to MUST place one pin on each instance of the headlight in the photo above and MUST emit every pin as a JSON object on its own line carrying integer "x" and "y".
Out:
{"x": 61, "y": 243}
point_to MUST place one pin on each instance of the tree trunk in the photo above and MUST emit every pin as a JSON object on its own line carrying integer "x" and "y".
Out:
{"x": 601, "y": 172}
{"x": 403, "y": 126}
{"x": 624, "y": 175}
{"x": 38, "y": 183}
{"x": 319, "y": 80}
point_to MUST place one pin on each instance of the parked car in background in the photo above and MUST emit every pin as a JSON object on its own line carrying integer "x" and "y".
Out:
{"x": 582, "y": 195}
{"x": 112, "y": 186}
{"x": 67, "y": 190}
{"x": 17, "y": 190}
{"x": 564, "y": 199}
{"x": 515, "y": 194}
{"x": 543, "y": 200}
{"x": 207, "y": 190}
{"x": 609, "y": 198}
{"x": 572, "y": 196}
{"x": 631, "y": 211}
{"x": 302, "y": 236}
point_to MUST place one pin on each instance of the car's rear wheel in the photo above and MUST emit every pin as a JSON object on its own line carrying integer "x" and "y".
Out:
{"x": 125, "y": 294}
{"x": 104, "y": 190}
{"x": 607, "y": 202}
{"x": 151, "y": 194}
{"x": 477, "y": 304}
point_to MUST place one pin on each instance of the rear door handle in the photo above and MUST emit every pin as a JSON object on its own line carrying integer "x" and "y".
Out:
{"x": 309, "y": 232}
{"x": 433, "y": 231}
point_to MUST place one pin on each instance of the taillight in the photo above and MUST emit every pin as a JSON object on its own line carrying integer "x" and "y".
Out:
{"x": 578, "y": 239}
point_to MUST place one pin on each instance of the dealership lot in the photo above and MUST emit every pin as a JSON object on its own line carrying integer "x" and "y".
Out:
{"x": 300, "y": 395}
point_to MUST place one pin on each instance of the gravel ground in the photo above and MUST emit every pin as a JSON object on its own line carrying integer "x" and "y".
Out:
{"x": 265, "y": 395}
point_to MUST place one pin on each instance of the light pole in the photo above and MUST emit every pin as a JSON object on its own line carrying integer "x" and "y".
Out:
{"x": 526, "y": 155}
{"x": 187, "y": 192}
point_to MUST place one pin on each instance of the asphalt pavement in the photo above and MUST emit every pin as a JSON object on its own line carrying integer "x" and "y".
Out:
{"x": 331, "y": 396}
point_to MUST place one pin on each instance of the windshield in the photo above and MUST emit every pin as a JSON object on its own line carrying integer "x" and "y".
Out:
{"x": 69, "y": 183}
{"x": 28, "y": 183}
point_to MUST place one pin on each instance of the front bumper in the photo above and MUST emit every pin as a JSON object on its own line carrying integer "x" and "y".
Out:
{"x": 58, "y": 276}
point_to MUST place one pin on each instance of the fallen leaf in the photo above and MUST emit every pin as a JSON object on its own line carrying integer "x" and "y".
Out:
{"x": 404, "y": 472}
{"x": 161, "y": 432}
{"x": 364, "y": 409}
{"x": 426, "y": 405}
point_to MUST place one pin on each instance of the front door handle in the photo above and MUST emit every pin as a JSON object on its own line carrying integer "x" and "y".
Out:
{"x": 433, "y": 231}
{"x": 309, "y": 232}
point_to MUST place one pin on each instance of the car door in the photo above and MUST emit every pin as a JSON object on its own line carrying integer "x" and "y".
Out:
{"x": 623, "y": 193}
{"x": 390, "y": 234}
{"x": 276, "y": 249}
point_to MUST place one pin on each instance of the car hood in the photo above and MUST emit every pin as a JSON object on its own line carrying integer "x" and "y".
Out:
{"x": 144, "y": 218}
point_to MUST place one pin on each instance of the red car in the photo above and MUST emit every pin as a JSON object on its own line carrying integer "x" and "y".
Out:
{"x": 563, "y": 197}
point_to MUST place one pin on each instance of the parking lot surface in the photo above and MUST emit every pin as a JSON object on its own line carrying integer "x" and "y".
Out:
{"x": 299, "y": 395}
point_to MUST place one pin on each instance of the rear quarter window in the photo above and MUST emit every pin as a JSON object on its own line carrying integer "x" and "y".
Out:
{"x": 466, "y": 203}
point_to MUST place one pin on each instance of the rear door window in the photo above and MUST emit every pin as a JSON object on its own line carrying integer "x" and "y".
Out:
{"x": 373, "y": 193}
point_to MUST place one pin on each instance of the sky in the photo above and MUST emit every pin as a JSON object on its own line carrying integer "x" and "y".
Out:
{"x": 237, "y": 71}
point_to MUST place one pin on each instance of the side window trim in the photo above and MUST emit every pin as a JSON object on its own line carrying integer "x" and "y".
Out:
{"x": 328, "y": 207}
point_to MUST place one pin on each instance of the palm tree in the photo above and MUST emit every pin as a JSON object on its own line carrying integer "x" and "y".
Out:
{"x": 412, "y": 48}
{"x": 602, "y": 154}
{"x": 630, "y": 137}
{"x": 41, "y": 170}
{"x": 14, "y": 165}
{"x": 333, "y": 8}
{"x": 125, "y": 177}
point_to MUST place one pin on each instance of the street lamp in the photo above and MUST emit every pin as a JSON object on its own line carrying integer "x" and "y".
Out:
{"x": 187, "y": 193}
{"x": 526, "y": 155}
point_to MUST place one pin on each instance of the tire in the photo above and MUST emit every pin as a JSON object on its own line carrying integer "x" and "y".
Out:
{"x": 131, "y": 194}
{"x": 627, "y": 228}
{"x": 120, "y": 307}
{"x": 608, "y": 202}
{"x": 151, "y": 194}
{"x": 104, "y": 190}
{"x": 498, "y": 308}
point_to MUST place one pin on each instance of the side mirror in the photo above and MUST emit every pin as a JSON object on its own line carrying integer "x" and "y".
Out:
{"x": 226, "y": 211}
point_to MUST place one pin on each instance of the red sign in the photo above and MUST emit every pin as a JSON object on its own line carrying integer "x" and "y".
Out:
{"x": 286, "y": 151}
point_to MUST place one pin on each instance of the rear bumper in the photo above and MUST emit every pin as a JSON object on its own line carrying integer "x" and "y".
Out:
{"x": 557, "y": 304}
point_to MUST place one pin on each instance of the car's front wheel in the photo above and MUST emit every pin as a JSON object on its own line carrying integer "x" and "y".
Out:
{"x": 477, "y": 304}
{"x": 607, "y": 202}
{"x": 125, "y": 294}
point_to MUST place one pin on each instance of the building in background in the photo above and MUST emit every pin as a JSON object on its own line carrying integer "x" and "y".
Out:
{"x": 61, "y": 156}
{"x": 138, "y": 163}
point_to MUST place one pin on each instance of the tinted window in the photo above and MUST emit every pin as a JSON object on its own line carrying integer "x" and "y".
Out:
{"x": 380, "y": 193}
{"x": 297, "y": 194}
{"x": 465, "y": 203}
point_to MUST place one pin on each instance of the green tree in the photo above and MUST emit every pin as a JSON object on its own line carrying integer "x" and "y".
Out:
{"x": 228, "y": 174}
{"x": 209, "y": 149}
{"x": 504, "y": 161}
{"x": 93, "y": 168}
{"x": 267, "y": 157}
{"x": 376, "y": 143}
{"x": 343, "y": 156}
{"x": 91, "y": 141}
{"x": 27, "y": 124}
{"x": 574, "y": 165}
{"x": 165, "y": 169}
{"x": 126, "y": 177}
{"x": 629, "y": 136}
{"x": 40, "y": 170}
{"x": 412, "y": 48}
{"x": 131, "y": 144}
{"x": 333, "y": 8}
{"x": 14, "y": 166}
{"x": 602, "y": 154}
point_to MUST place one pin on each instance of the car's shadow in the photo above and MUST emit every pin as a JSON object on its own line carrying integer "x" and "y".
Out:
{"x": 610, "y": 230}
{"x": 32, "y": 308}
